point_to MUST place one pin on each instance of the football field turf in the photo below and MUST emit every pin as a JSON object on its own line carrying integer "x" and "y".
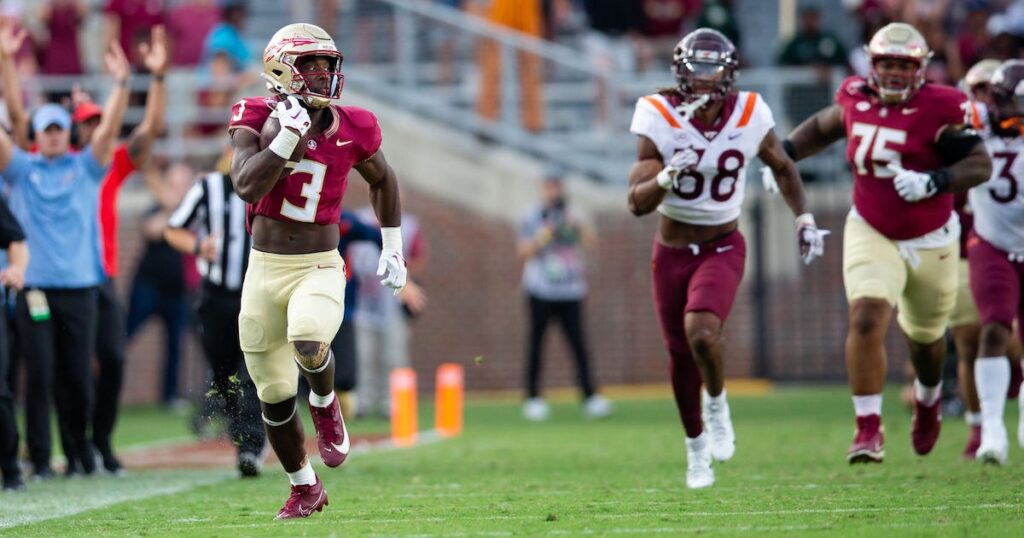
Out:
{"x": 567, "y": 477}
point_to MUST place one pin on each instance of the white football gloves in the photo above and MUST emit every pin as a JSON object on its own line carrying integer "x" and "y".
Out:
{"x": 912, "y": 186}
{"x": 295, "y": 123}
{"x": 293, "y": 115}
{"x": 811, "y": 239}
{"x": 392, "y": 264}
{"x": 681, "y": 160}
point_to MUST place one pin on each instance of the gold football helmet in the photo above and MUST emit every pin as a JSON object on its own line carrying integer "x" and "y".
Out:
{"x": 900, "y": 41}
{"x": 281, "y": 64}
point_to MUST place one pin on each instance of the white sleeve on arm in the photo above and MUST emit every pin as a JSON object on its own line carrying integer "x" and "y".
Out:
{"x": 645, "y": 119}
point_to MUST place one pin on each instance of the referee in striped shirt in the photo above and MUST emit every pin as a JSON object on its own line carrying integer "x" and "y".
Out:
{"x": 210, "y": 223}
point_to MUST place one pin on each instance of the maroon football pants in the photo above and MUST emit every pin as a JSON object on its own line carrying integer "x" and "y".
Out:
{"x": 698, "y": 278}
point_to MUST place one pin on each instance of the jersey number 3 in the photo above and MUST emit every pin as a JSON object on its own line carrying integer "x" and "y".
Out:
{"x": 1007, "y": 158}
{"x": 874, "y": 147}
{"x": 310, "y": 191}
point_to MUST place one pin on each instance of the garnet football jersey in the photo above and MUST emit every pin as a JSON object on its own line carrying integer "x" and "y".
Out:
{"x": 998, "y": 204}
{"x": 314, "y": 190}
{"x": 905, "y": 135}
{"x": 711, "y": 191}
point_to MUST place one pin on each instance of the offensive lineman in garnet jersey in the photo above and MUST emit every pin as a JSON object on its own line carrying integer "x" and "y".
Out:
{"x": 293, "y": 295}
{"x": 908, "y": 150}
{"x": 694, "y": 142}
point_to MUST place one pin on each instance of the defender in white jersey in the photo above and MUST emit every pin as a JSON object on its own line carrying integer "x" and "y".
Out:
{"x": 964, "y": 325}
{"x": 695, "y": 141}
{"x": 996, "y": 256}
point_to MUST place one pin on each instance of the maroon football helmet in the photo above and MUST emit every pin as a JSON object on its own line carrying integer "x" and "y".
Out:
{"x": 1008, "y": 99}
{"x": 704, "y": 63}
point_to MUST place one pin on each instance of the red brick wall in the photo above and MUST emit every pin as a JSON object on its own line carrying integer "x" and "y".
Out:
{"x": 476, "y": 308}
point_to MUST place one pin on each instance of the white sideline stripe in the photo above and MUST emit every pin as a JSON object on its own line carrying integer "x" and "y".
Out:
{"x": 61, "y": 498}
{"x": 53, "y": 499}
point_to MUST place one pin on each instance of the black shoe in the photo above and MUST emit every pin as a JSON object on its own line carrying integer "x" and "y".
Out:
{"x": 13, "y": 483}
{"x": 111, "y": 464}
{"x": 42, "y": 473}
{"x": 87, "y": 465}
{"x": 73, "y": 469}
{"x": 250, "y": 464}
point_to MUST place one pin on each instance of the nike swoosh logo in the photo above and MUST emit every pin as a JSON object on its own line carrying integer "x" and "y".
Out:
{"x": 295, "y": 115}
{"x": 340, "y": 143}
{"x": 734, "y": 136}
{"x": 909, "y": 111}
{"x": 343, "y": 447}
{"x": 723, "y": 249}
{"x": 309, "y": 512}
{"x": 943, "y": 256}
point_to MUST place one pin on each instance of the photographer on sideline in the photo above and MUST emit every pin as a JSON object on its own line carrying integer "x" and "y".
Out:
{"x": 552, "y": 238}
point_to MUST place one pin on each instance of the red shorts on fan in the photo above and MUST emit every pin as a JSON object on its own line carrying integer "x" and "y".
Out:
{"x": 995, "y": 282}
{"x": 698, "y": 278}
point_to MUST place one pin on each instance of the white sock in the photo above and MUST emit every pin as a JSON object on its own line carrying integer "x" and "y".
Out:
{"x": 697, "y": 443}
{"x": 973, "y": 419}
{"x": 992, "y": 377}
{"x": 927, "y": 395}
{"x": 320, "y": 401}
{"x": 867, "y": 405}
{"x": 303, "y": 477}
{"x": 720, "y": 399}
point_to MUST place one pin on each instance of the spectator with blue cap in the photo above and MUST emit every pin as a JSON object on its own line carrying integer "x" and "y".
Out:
{"x": 54, "y": 195}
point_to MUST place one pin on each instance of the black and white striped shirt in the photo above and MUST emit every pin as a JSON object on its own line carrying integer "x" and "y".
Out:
{"x": 211, "y": 208}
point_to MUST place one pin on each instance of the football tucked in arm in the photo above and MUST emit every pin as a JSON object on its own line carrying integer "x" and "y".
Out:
{"x": 270, "y": 129}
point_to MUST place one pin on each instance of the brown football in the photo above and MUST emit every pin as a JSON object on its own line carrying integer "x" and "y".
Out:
{"x": 270, "y": 129}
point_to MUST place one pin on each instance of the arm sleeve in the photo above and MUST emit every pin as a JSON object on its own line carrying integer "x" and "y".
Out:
{"x": 645, "y": 119}
{"x": 10, "y": 230}
{"x": 18, "y": 167}
{"x": 369, "y": 133}
{"x": 184, "y": 215}
{"x": 250, "y": 114}
{"x": 92, "y": 168}
{"x": 121, "y": 167}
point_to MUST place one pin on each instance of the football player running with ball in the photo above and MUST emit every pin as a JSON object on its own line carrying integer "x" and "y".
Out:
{"x": 996, "y": 256}
{"x": 695, "y": 141}
{"x": 909, "y": 149}
{"x": 293, "y": 153}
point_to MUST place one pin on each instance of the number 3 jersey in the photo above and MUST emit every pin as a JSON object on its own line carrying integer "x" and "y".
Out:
{"x": 998, "y": 204}
{"x": 710, "y": 190}
{"x": 314, "y": 190}
{"x": 879, "y": 135}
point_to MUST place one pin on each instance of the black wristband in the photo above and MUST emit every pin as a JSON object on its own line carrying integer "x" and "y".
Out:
{"x": 158, "y": 78}
{"x": 941, "y": 179}
{"x": 790, "y": 149}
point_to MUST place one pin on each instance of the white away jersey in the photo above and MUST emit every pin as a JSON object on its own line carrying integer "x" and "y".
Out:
{"x": 710, "y": 192}
{"x": 976, "y": 113}
{"x": 998, "y": 204}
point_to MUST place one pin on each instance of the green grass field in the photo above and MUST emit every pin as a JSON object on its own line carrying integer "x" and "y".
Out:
{"x": 620, "y": 477}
